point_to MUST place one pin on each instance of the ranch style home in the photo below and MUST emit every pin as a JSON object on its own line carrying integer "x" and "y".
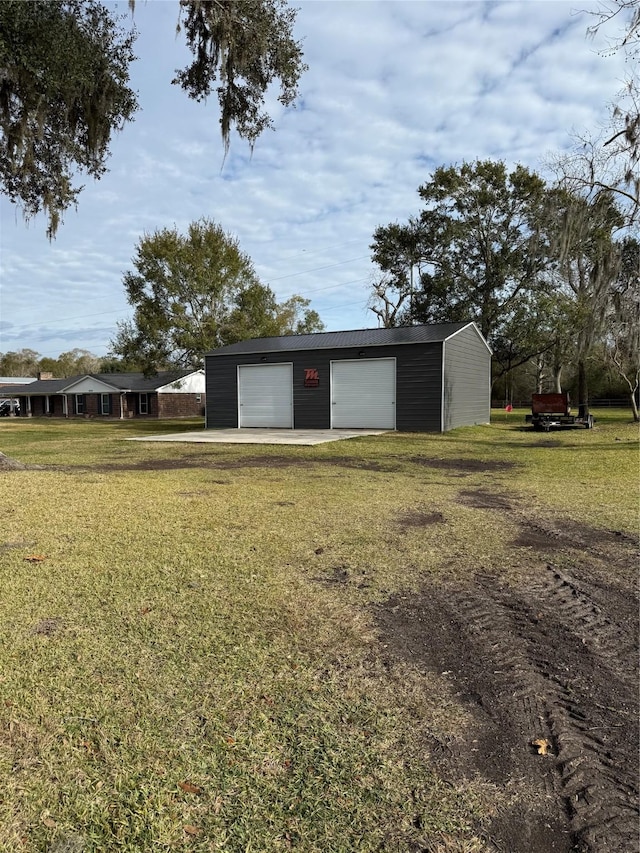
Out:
{"x": 168, "y": 394}
{"x": 429, "y": 378}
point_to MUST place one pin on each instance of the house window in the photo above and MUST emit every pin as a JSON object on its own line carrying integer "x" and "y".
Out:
{"x": 105, "y": 404}
{"x": 143, "y": 404}
{"x": 79, "y": 404}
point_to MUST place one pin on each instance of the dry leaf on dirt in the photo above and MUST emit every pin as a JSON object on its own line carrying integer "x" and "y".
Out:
{"x": 543, "y": 746}
{"x": 190, "y": 788}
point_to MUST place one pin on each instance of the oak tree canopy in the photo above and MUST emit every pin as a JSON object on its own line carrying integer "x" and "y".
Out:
{"x": 65, "y": 85}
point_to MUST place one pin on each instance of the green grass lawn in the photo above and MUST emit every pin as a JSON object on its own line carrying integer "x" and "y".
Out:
{"x": 188, "y": 658}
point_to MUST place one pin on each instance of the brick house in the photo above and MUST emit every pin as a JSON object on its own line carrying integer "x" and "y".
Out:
{"x": 168, "y": 394}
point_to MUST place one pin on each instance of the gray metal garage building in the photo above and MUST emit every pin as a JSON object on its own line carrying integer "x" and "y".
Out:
{"x": 412, "y": 378}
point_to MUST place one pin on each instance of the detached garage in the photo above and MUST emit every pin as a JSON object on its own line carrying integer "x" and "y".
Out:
{"x": 413, "y": 378}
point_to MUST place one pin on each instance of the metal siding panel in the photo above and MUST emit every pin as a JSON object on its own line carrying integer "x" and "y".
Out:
{"x": 418, "y": 385}
{"x": 265, "y": 395}
{"x": 418, "y": 388}
{"x": 363, "y": 394}
{"x": 221, "y": 393}
{"x": 467, "y": 381}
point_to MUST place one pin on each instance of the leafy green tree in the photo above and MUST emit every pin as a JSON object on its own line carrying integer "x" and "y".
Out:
{"x": 63, "y": 91}
{"x": 294, "y": 317}
{"x": 195, "y": 292}
{"x": 23, "y": 362}
{"x": 477, "y": 251}
{"x": 399, "y": 252}
{"x": 64, "y": 88}
{"x": 240, "y": 47}
{"x": 75, "y": 362}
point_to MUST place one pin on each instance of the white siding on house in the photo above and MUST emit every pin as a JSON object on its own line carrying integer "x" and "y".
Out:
{"x": 194, "y": 383}
{"x": 89, "y": 385}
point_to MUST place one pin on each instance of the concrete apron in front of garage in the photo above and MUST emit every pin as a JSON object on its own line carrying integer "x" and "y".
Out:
{"x": 263, "y": 436}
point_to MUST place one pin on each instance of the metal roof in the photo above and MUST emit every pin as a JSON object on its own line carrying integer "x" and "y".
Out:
{"x": 135, "y": 382}
{"x": 435, "y": 333}
{"x": 16, "y": 380}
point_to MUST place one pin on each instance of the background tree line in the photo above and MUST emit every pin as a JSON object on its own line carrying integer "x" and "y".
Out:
{"x": 550, "y": 275}
{"x": 549, "y": 270}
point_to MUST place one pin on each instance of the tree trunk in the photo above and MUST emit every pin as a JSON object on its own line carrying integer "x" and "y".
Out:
{"x": 583, "y": 391}
{"x": 634, "y": 407}
{"x": 558, "y": 380}
{"x": 539, "y": 374}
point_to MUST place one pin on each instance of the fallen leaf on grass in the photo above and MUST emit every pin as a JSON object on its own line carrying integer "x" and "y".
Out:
{"x": 49, "y": 822}
{"x": 35, "y": 558}
{"x": 230, "y": 740}
{"x": 190, "y": 788}
{"x": 145, "y": 610}
{"x": 190, "y": 829}
{"x": 543, "y": 746}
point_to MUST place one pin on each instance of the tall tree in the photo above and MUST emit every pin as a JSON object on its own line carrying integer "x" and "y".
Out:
{"x": 63, "y": 92}
{"x": 23, "y": 362}
{"x": 64, "y": 84}
{"x": 622, "y": 343}
{"x": 75, "y": 362}
{"x": 195, "y": 292}
{"x": 477, "y": 251}
{"x": 399, "y": 252}
{"x": 589, "y": 264}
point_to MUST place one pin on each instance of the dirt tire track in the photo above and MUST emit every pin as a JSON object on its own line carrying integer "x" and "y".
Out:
{"x": 551, "y": 657}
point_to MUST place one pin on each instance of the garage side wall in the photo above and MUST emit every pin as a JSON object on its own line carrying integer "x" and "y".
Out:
{"x": 418, "y": 385}
{"x": 467, "y": 380}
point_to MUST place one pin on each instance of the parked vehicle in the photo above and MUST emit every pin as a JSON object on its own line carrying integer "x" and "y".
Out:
{"x": 554, "y": 410}
{"x": 5, "y": 408}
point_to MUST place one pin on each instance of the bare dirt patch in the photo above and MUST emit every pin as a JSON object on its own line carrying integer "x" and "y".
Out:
{"x": 47, "y": 627}
{"x": 546, "y": 665}
{"x": 176, "y": 463}
{"x": 420, "y": 518}
{"x": 9, "y": 464}
{"x": 467, "y": 466}
{"x": 484, "y": 499}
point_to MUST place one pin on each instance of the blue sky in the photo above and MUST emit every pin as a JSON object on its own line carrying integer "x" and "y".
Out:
{"x": 394, "y": 89}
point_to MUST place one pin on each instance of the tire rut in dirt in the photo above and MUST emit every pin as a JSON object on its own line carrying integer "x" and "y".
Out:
{"x": 547, "y": 664}
{"x": 592, "y": 689}
{"x": 470, "y": 638}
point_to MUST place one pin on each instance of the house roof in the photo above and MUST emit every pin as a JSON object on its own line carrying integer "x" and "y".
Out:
{"x": 435, "y": 333}
{"x": 16, "y": 380}
{"x": 134, "y": 382}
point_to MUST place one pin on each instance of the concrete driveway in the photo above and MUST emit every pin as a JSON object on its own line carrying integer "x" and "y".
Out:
{"x": 263, "y": 436}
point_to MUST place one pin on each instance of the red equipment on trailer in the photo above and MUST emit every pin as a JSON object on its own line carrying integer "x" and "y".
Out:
{"x": 553, "y": 410}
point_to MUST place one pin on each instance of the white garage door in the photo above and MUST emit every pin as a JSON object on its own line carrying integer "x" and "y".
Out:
{"x": 363, "y": 394}
{"x": 265, "y": 395}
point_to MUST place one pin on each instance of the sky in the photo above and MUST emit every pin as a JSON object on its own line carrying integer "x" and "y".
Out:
{"x": 394, "y": 90}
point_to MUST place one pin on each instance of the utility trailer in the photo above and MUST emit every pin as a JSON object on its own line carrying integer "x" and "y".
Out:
{"x": 553, "y": 410}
